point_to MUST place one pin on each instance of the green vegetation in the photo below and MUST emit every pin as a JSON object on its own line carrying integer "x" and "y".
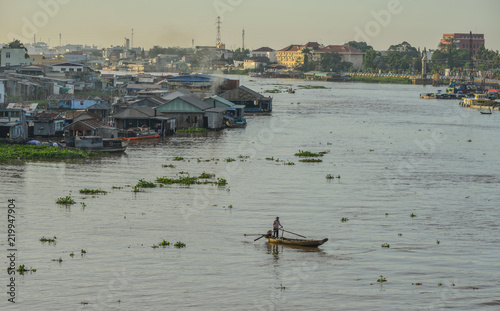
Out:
{"x": 386, "y": 245}
{"x": 382, "y": 279}
{"x": 272, "y": 91}
{"x": 92, "y": 191}
{"x": 72, "y": 254}
{"x": 49, "y": 240}
{"x": 82, "y": 251}
{"x": 168, "y": 165}
{"x": 330, "y": 176}
{"x": 193, "y": 130}
{"x": 310, "y": 160}
{"x": 67, "y": 200}
{"x": 221, "y": 182}
{"x": 185, "y": 180}
{"x": 230, "y": 160}
{"x": 344, "y": 219}
{"x": 311, "y": 87}
{"x": 206, "y": 175}
{"x": 145, "y": 184}
{"x": 22, "y": 269}
{"x": 381, "y": 79}
{"x": 302, "y": 153}
{"x": 288, "y": 163}
{"x": 179, "y": 244}
{"x": 178, "y": 158}
{"x": 413, "y": 215}
{"x": 58, "y": 260}
{"x": 39, "y": 152}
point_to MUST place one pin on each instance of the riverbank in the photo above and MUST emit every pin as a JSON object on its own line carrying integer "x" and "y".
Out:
{"x": 381, "y": 79}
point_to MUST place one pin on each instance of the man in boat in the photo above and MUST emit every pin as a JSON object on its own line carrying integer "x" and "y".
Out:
{"x": 276, "y": 227}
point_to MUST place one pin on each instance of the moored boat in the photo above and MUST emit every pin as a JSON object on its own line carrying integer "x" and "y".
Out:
{"x": 97, "y": 143}
{"x": 136, "y": 134}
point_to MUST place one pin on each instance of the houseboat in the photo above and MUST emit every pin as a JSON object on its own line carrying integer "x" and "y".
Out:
{"x": 97, "y": 143}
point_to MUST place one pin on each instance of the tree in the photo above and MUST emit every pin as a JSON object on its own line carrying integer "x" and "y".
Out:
{"x": 362, "y": 46}
{"x": 368, "y": 60}
{"x": 156, "y": 50}
{"x": 240, "y": 55}
{"x": 306, "y": 63}
{"x": 403, "y": 57}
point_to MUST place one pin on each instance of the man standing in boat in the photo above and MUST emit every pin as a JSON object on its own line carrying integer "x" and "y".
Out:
{"x": 276, "y": 227}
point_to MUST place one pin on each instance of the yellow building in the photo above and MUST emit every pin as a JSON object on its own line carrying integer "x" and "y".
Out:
{"x": 292, "y": 55}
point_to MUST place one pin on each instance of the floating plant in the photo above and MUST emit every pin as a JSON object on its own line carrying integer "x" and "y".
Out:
{"x": 382, "y": 279}
{"x": 49, "y": 240}
{"x": 386, "y": 245}
{"x": 302, "y": 153}
{"x": 67, "y": 200}
{"x": 413, "y": 215}
{"x": 178, "y": 158}
{"x": 92, "y": 191}
{"x": 310, "y": 160}
{"x": 344, "y": 219}
{"x": 179, "y": 244}
{"x": 170, "y": 165}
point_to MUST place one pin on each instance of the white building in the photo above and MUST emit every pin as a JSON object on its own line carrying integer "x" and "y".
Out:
{"x": 68, "y": 67}
{"x": 347, "y": 53}
{"x": 265, "y": 52}
{"x": 14, "y": 57}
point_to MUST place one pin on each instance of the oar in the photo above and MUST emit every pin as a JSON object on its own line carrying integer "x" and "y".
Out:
{"x": 293, "y": 233}
{"x": 259, "y": 237}
{"x": 252, "y": 234}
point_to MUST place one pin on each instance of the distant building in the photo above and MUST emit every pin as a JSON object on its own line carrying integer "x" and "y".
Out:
{"x": 348, "y": 54}
{"x": 292, "y": 55}
{"x": 265, "y": 52}
{"x": 14, "y": 58}
{"x": 466, "y": 41}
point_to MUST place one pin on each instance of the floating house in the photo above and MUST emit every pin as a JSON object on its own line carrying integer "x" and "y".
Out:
{"x": 253, "y": 101}
{"x": 144, "y": 116}
{"x": 13, "y": 125}
{"x": 48, "y": 124}
{"x": 235, "y": 114}
{"x": 190, "y": 111}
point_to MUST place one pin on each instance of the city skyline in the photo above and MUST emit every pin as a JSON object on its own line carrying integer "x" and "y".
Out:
{"x": 276, "y": 24}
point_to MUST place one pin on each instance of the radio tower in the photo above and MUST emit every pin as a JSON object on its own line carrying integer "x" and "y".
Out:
{"x": 218, "y": 40}
{"x": 243, "y": 39}
{"x": 132, "y": 43}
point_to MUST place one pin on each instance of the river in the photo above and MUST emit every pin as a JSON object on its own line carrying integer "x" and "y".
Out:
{"x": 421, "y": 176}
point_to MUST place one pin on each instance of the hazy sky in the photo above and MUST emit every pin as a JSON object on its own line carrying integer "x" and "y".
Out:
{"x": 273, "y": 23}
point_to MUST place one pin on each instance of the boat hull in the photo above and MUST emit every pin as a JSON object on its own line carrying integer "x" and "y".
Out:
{"x": 296, "y": 242}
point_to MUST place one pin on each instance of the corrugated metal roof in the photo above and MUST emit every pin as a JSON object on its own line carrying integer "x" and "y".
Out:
{"x": 194, "y": 78}
{"x": 242, "y": 92}
{"x": 140, "y": 112}
{"x": 29, "y": 108}
{"x": 89, "y": 123}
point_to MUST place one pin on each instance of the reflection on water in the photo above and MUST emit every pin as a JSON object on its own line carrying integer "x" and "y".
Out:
{"x": 396, "y": 155}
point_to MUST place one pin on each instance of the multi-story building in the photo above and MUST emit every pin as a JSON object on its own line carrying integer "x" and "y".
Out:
{"x": 466, "y": 41}
{"x": 292, "y": 55}
{"x": 347, "y": 53}
{"x": 14, "y": 58}
{"x": 264, "y": 52}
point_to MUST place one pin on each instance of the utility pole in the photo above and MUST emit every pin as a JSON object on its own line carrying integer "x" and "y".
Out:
{"x": 59, "y": 39}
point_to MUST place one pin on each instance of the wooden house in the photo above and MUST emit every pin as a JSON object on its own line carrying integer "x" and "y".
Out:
{"x": 144, "y": 116}
{"x": 188, "y": 111}
{"x": 13, "y": 125}
{"x": 253, "y": 101}
{"x": 48, "y": 124}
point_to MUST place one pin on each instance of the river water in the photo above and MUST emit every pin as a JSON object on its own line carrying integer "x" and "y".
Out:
{"x": 396, "y": 155}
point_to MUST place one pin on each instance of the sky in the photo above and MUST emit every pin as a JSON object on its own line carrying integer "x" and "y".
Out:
{"x": 272, "y": 23}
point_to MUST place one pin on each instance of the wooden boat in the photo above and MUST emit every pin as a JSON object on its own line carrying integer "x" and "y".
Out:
{"x": 295, "y": 242}
{"x": 486, "y": 112}
{"x": 136, "y": 134}
{"x": 97, "y": 143}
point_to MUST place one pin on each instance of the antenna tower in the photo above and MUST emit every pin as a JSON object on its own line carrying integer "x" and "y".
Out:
{"x": 132, "y": 43}
{"x": 243, "y": 40}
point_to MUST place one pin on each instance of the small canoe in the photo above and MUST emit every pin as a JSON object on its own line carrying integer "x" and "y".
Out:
{"x": 296, "y": 242}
